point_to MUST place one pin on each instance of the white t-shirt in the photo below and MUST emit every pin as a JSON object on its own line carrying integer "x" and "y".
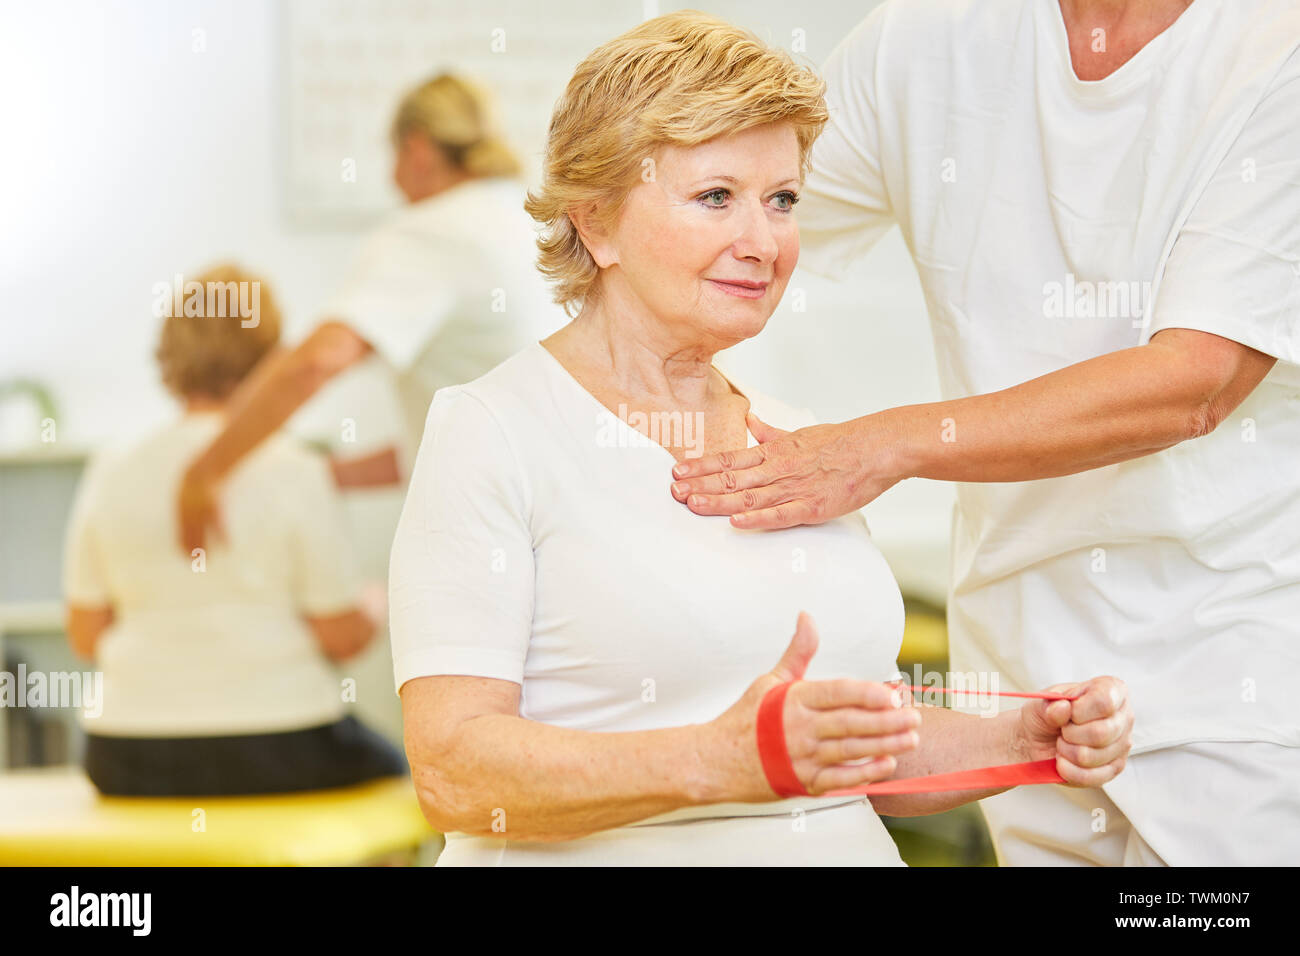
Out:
{"x": 540, "y": 544}
{"x": 448, "y": 288}
{"x": 218, "y": 646}
{"x": 1021, "y": 191}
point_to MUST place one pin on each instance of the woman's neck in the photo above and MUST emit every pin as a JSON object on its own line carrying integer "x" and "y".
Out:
{"x": 642, "y": 360}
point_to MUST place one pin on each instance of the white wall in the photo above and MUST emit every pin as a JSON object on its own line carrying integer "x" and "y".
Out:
{"x": 128, "y": 157}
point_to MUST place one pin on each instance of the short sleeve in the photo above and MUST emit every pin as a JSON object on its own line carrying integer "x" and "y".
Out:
{"x": 401, "y": 288}
{"x": 461, "y": 575}
{"x": 1234, "y": 269}
{"x": 326, "y": 576}
{"x": 843, "y": 209}
{"x": 85, "y": 581}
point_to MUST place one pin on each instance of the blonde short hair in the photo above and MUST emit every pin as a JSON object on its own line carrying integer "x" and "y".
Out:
{"x": 458, "y": 116}
{"x": 208, "y": 355}
{"x": 681, "y": 79}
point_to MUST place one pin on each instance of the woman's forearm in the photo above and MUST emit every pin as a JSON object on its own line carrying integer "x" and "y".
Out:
{"x": 951, "y": 741}
{"x": 1105, "y": 410}
{"x": 501, "y": 775}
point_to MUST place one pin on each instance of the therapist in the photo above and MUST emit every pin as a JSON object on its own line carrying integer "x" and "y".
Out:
{"x": 1102, "y": 200}
{"x": 443, "y": 291}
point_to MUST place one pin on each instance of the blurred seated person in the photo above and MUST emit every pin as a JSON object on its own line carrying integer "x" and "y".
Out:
{"x": 217, "y": 674}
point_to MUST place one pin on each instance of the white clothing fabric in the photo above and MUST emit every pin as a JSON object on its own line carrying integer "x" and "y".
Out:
{"x": 1240, "y": 809}
{"x": 539, "y": 544}
{"x": 214, "y": 644}
{"x": 845, "y": 835}
{"x": 447, "y": 289}
{"x": 1052, "y": 220}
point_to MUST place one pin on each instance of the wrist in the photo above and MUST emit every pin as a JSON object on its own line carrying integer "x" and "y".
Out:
{"x": 892, "y": 451}
{"x": 712, "y": 758}
{"x": 1015, "y": 742}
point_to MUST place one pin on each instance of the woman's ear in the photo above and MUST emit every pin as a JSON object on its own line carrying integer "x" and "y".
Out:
{"x": 594, "y": 234}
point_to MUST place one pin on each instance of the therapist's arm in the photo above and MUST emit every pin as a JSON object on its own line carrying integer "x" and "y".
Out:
{"x": 264, "y": 401}
{"x": 1109, "y": 409}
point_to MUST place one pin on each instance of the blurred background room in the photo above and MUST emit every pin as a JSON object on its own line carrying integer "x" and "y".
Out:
{"x": 146, "y": 139}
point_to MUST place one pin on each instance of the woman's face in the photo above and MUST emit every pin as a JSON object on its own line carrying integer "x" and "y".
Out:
{"x": 707, "y": 240}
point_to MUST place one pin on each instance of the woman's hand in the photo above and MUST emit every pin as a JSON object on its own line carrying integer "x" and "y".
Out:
{"x": 1090, "y": 737}
{"x": 827, "y": 723}
{"x": 802, "y": 477}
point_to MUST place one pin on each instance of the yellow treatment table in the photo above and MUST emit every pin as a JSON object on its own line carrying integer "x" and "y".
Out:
{"x": 55, "y": 817}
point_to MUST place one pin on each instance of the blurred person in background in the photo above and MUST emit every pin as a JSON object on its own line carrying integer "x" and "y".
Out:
{"x": 217, "y": 676}
{"x": 444, "y": 290}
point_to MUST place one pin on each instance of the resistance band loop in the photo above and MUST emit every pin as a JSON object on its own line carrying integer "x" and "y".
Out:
{"x": 775, "y": 755}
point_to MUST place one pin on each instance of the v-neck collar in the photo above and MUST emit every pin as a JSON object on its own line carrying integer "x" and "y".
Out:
{"x": 1132, "y": 72}
{"x": 640, "y": 437}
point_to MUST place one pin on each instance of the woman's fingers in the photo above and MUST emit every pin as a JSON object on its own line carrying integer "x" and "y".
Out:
{"x": 1099, "y": 733}
{"x": 1090, "y": 757}
{"x": 844, "y": 776}
{"x": 1089, "y": 777}
{"x": 820, "y": 738}
{"x": 1101, "y": 697}
{"x": 857, "y": 722}
{"x": 846, "y": 692}
{"x": 843, "y": 749}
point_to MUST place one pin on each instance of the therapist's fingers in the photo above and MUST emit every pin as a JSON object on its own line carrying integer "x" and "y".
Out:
{"x": 716, "y": 474}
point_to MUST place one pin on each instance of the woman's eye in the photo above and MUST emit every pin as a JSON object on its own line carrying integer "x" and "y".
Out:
{"x": 714, "y": 192}
{"x": 789, "y": 197}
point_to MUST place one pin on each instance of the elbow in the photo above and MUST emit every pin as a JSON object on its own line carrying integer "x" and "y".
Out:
{"x": 448, "y": 808}
{"x": 1207, "y": 414}
{"x": 331, "y": 348}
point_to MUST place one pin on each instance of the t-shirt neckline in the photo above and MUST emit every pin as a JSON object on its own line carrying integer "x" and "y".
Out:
{"x": 1130, "y": 74}
{"x": 567, "y": 376}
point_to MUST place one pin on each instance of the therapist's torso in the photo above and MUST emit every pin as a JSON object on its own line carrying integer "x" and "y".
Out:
{"x": 1040, "y": 211}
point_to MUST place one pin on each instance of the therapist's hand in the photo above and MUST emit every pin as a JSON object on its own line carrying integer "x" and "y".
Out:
{"x": 828, "y": 723}
{"x": 792, "y": 478}
{"x": 1090, "y": 737}
{"x": 197, "y": 512}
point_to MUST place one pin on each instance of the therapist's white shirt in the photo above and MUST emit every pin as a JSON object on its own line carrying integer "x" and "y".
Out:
{"x": 539, "y": 544}
{"x": 214, "y": 644}
{"x": 447, "y": 288}
{"x": 1019, "y": 190}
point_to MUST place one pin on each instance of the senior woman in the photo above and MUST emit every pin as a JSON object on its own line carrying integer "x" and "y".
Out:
{"x": 581, "y": 673}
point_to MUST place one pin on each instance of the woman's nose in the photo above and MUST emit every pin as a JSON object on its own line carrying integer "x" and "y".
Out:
{"x": 756, "y": 237}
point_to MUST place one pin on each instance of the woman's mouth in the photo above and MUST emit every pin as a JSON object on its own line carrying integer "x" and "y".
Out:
{"x": 744, "y": 288}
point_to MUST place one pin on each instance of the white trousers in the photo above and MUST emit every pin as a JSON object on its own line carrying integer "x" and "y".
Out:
{"x": 1197, "y": 804}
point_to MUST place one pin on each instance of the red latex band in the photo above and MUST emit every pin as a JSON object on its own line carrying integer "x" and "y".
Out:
{"x": 775, "y": 755}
